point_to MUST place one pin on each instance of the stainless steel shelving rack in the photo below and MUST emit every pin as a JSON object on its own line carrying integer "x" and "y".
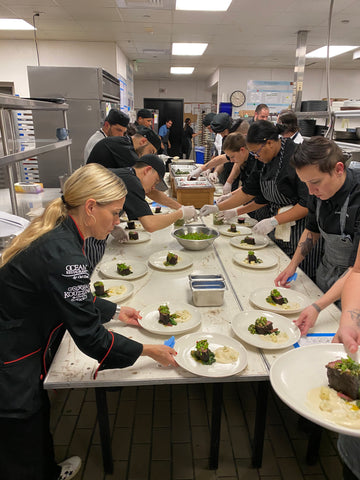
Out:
{"x": 10, "y": 103}
{"x": 346, "y": 146}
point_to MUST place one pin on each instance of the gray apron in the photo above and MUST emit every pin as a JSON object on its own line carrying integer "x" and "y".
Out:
{"x": 277, "y": 200}
{"x": 338, "y": 250}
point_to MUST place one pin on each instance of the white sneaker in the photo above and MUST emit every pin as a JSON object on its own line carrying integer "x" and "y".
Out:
{"x": 69, "y": 468}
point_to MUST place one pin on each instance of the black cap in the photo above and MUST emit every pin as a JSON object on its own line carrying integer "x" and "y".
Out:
{"x": 208, "y": 119}
{"x": 144, "y": 113}
{"x": 115, "y": 117}
{"x": 157, "y": 164}
{"x": 150, "y": 135}
{"x": 220, "y": 122}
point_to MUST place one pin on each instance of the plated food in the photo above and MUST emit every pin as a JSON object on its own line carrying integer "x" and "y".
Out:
{"x": 160, "y": 260}
{"x": 271, "y": 331}
{"x": 253, "y": 242}
{"x": 263, "y": 260}
{"x": 118, "y": 268}
{"x": 137, "y": 237}
{"x": 233, "y": 230}
{"x": 230, "y": 356}
{"x": 300, "y": 379}
{"x": 169, "y": 318}
{"x": 278, "y": 300}
{"x": 113, "y": 290}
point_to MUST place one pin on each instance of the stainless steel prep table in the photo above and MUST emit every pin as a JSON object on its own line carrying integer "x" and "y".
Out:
{"x": 72, "y": 369}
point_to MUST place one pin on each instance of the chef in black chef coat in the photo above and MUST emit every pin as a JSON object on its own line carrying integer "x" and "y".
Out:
{"x": 45, "y": 288}
{"x": 147, "y": 174}
{"x": 334, "y": 216}
{"x": 273, "y": 182}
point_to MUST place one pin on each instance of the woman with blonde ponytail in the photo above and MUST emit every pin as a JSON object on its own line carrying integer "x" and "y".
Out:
{"x": 45, "y": 289}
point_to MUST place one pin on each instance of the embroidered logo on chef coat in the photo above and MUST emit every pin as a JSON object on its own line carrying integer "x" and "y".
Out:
{"x": 76, "y": 271}
{"x": 77, "y": 293}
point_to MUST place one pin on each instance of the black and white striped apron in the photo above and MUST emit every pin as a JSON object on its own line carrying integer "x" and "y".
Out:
{"x": 94, "y": 251}
{"x": 277, "y": 200}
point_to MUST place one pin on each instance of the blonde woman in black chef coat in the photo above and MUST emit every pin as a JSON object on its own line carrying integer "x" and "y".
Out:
{"x": 45, "y": 288}
{"x": 273, "y": 182}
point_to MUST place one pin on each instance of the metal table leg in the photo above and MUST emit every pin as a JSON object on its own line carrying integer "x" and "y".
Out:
{"x": 215, "y": 425}
{"x": 260, "y": 421}
{"x": 104, "y": 428}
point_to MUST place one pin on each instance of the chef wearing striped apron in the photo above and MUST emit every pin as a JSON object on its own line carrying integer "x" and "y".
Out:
{"x": 277, "y": 185}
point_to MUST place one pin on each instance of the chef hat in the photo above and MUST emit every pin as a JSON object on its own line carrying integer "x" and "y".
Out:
{"x": 115, "y": 117}
{"x": 220, "y": 122}
{"x": 208, "y": 119}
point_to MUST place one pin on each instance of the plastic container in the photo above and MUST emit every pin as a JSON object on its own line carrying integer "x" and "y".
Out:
{"x": 200, "y": 154}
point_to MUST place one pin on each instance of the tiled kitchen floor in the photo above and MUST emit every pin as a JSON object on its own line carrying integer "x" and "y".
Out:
{"x": 162, "y": 433}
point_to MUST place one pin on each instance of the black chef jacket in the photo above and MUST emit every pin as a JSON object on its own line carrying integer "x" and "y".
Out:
{"x": 42, "y": 287}
{"x": 135, "y": 204}
{"x": 329, "y": 214}
{"x": 288, "y": 183}
{"x": 114, "y": 152}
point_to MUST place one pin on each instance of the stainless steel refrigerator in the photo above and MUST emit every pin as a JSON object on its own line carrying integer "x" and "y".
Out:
{"x": 90, "y": 93}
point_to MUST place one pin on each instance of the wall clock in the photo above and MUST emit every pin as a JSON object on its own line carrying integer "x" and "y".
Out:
{"x": 237, "y": 98}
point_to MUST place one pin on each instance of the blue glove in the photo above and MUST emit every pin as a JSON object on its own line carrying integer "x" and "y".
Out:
{"x": 170, "y": 342}
{"x": 292, "y": 277}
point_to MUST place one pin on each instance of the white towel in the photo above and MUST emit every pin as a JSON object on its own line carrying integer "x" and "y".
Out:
{"x": 283, "y": 232}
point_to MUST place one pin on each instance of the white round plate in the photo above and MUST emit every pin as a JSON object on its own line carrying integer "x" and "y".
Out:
{"x": 268, "y": 260}
{"x": 249, "y": 222}
{"x": 157, "y": 260}
{"x": 116, "y": 283}
{"x": 260, "y": 242}
{"x": 150, "y": 319}
{"x": 163, "y": 210}
{"x": 242, "y": 320}
{"x": 240, "y": 230}
{"x": 124, "y": 221}
{"x": 185, "y": 344}
{"x": 109, "y": 269}
{"x": 296, "y": 301}
{"x": 298, "y": 371}
{"x": 143, "y": 237}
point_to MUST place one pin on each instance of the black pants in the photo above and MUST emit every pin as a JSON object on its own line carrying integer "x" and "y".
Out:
{"x": 26, "y": 447}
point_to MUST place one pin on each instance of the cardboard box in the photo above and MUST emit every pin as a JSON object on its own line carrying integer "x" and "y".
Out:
{"x": 22, "y": 187}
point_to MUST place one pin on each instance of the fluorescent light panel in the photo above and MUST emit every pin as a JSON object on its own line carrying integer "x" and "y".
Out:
{"x": 203, "y": 5}
{"x": 181, "y": 70}
{"x": 188, "y": 48}
{"x": 14, "y": 24}
{"x": 334, "y": 50}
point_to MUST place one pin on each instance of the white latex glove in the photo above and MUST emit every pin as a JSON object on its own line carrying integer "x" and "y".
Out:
{"x": 119, "y": 234}
{"x": 222, "y": 198}
{"x": 227, "y": 188}
{"x": 195, "y": 173}
{"x": 227, "y": 214}
{"x": 213, "y": 177}
{"x": 208, "y": 210}
{"x": 265, "y": 226}
{"x": 189, "y": 212}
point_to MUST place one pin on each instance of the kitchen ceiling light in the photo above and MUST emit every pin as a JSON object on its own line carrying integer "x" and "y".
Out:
{"x": 203, "y": 5}
{"x": 181, "y": 70}
{"x": 15, "y": 24}
{"x": 333, "y": 51}
{"x": 188, "y": 48}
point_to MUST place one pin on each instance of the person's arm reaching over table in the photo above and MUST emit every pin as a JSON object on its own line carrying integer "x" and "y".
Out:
{"x": 349, "y": 329}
